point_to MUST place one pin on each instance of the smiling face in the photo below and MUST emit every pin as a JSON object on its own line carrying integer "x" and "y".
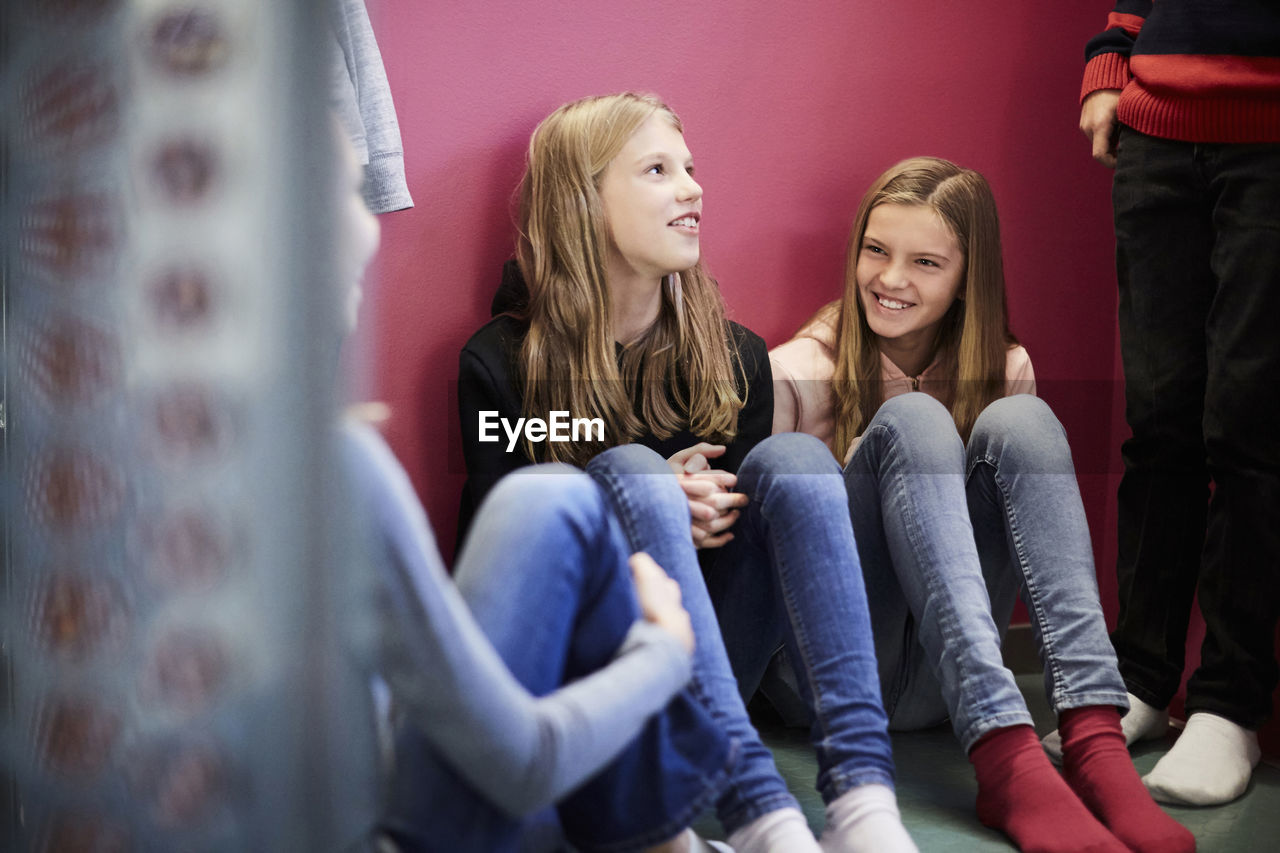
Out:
{"x": 652, "y": 204}
{"x": 909, "y": 272}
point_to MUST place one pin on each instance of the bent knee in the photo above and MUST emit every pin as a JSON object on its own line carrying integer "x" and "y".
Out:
{"x": 544, "y": 484}
{"x": 1022, "y": 429}
{"x": 1019, "y": 415}
{"x": 790, "y": 453}
{"x": 628, "y": 459}
{"x": 920, "y": 426}
{"x": 915, "y": 408}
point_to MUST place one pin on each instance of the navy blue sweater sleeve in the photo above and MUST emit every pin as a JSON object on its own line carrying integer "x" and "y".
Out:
{"x": 1122, "y": 28}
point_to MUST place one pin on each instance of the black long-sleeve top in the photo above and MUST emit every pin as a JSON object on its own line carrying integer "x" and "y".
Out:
{"x": 488, "y": 381}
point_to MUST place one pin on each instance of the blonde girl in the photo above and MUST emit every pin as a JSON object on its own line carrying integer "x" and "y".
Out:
{"x": 612, "y": 317}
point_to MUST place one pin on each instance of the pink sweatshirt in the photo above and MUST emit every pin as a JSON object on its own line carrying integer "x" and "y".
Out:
{"x": 804, "y": 365}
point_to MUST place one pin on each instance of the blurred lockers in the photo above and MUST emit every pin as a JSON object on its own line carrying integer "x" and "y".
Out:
{"x": 180, "y": 616}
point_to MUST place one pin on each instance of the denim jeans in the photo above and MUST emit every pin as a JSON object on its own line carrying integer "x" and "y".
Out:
{"x": 791, "y": 573}
{"x": 949, "y": 535}
{"x": 544, "y": 573}
{"x": 1198, "y": 260}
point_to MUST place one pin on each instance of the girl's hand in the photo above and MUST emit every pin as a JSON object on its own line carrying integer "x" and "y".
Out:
{"x": 713, "y": 508}
{"x": 659, "y": 598}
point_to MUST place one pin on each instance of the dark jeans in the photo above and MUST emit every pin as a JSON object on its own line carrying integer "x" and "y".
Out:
{"x": 1198, "y": 258}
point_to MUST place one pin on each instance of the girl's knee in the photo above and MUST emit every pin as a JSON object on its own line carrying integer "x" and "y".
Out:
{"x": 1018, "y": 413}
{"x": 628, "y": 459}
{"x": 633, "y": 474}
{"x": 1022, "y": 426}
{"x": 551, "y": 487}
{"x": 918, "y": 428}
{"x": 915, "y": 411}
{"x": 789, "y": 453}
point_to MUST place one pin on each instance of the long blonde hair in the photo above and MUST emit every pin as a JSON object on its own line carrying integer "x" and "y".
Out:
{"x": 681, "y": 370}
{"x": 973, "y": 338}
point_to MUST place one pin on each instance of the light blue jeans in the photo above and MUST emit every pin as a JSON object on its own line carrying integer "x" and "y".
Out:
{"x": 544, "y": 574}
{"x": 795, "y": 577}
{"x": 949, "y": 535}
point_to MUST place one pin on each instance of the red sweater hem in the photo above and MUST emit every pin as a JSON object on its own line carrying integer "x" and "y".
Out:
{"x": 1250, "y": 115}
{"x": 1234, "y": 120}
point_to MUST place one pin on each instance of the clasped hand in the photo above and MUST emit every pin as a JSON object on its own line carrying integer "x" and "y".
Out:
{"x": 713, "y": 506}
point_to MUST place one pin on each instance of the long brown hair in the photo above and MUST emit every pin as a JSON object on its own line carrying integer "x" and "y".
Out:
{"x": 973, "y": 338}
{"x": 681, "y": 370}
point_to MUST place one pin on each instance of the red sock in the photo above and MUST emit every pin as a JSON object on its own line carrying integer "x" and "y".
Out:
{"x": 1098, "y": 768}
{"x": 1021, "y": 794}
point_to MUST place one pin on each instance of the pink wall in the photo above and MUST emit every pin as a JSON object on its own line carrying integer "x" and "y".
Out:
{"x": 789, "y": 116}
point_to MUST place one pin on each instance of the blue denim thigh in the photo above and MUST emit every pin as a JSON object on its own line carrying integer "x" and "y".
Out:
{"x": 1033, "y": 537}
{"x": 796, "y": 527}
{"x": 937, "y": 645}
{"x": 654, "y": 514}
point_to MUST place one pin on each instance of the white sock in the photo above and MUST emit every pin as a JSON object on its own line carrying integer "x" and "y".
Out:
{"x": 690, "y": 842}
{"x": 1209, "y": 764}
{"x": 1142, "y": 722}
{"x": 781, "y": 831}
{"x": 866, "y": 818}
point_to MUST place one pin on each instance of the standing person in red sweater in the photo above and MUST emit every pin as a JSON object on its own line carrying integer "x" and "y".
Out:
{"x": 1182, "y": 98}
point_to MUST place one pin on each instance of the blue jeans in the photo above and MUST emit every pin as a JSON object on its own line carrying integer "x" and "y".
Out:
{"x": 545, "y": 575}
{"x": 1198, "y": 262}
{"x": 791, "y": 573}
{"x": 949, "y": 535}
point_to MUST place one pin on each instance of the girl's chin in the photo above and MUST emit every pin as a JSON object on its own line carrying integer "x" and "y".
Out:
{"x": 886, "y": 329}
{"x": 683, "y": 268}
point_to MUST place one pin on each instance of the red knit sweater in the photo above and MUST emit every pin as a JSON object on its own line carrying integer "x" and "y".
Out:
{"x": 1192, "y": 70}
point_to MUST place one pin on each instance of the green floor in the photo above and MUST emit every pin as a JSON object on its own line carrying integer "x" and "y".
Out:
{"x": 936, "y": 791}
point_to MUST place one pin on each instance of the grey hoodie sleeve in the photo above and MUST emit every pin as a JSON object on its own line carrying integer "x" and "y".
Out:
{"x": 520, "y": 751}
{"x": 361, "y": 97}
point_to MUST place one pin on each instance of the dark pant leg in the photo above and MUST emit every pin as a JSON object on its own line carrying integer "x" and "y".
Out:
{"x": 1240, "y": 575}
{"x": 1163, "y": 242}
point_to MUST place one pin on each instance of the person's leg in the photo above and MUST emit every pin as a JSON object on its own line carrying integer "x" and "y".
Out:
{"x": 1166, "y": 285}
{"x": 740, "y": 583}
{"x": 908, "y": 472}
{"x": 1033, "y": 538}
{"x": 1229, "y": 695}
{"x": 911, "y": 694}
{"x": 1032, "y": 534}
{"x": 907, "y": 476}
{"x": 545, "y": 576}
{"x": 796, "y": 528}
{"x": 654, "y": 515}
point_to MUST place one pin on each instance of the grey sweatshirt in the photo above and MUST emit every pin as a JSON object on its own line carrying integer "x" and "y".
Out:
{"x": 522, "y": 752}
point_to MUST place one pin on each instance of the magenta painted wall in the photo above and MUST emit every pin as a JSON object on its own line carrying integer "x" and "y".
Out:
{"x": 790, "y": 111}
{"x": 789, "y": 116}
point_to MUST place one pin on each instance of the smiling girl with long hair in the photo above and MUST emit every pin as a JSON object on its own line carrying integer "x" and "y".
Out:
{"x": 962, "y": 494}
